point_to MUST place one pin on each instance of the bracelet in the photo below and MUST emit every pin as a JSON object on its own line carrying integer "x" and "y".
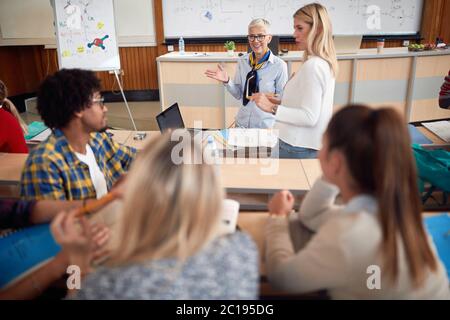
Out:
{"x": 274, "y": 109}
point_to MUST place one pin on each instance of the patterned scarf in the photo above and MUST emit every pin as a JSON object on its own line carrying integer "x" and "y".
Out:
{"x": 251, "y": 81}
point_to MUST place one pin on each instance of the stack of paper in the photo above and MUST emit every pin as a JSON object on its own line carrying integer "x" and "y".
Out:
{"x": 251, "y": 138}
{"x": 439, "y": 128}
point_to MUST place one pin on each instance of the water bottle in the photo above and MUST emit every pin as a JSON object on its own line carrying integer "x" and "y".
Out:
{"x": 181, "y": 45}
{"x": 212, "y": 151}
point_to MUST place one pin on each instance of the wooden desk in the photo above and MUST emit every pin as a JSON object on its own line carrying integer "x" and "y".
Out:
{"x": 312, "y": 170}
{"x": 260, "y": 178}
{"x": 11, "y": 167}
{"x": 252, "y": 185}
{"x": 10, "y": 172}
{"x": 120, "y": 136}
{"x": 430, "y": 135}
{"x": 140, "y": 144}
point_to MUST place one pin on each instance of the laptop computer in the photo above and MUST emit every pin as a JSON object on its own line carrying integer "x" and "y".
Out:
{"x": 171, "y": 119}
{"x": 347, "y": 44}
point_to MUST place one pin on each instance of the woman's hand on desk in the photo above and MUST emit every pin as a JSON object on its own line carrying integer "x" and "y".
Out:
{"x": 281, "y": 203}
{"x": 220, "y": 74}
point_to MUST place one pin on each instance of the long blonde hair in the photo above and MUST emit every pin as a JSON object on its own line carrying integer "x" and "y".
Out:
{"x": 170, "y": 210}
{"x": 320, "y": 39}
{"x": 7, "y": 104}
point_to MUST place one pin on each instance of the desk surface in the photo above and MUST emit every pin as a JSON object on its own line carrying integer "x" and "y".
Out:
{"x": 312, "y": 170}
{"x": 430, "y": 135}
{"x": 11, "y": 167}
{"x": 252, "y": 176}
{"x": 264, "y": 176}
{"x": 370, "y": 53}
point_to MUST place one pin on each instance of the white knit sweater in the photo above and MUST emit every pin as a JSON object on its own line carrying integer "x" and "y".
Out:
{"x": 307, "y": 105}
{"x": 346, "y": 243}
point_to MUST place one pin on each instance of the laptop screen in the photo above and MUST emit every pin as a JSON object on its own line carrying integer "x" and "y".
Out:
{"x": 170, "y": 118}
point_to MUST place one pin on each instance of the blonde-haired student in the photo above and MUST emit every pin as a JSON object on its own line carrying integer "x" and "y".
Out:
{"x": 374, "y": 245}
{"x": 168, "y": 244}
{"x": 307, "y": 103}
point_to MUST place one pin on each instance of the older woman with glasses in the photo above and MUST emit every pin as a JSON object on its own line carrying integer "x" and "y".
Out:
{"x": 258, "y": 71}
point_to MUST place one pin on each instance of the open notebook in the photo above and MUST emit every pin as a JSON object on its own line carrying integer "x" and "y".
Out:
{"x": 439, "y": 128}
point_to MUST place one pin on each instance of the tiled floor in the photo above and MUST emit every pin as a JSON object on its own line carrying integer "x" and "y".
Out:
{"x": 144, "y": 114}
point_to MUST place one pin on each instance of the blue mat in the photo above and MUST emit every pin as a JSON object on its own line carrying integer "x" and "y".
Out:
{"x": 417, "y": 137}
{"x": 439, "y": 229}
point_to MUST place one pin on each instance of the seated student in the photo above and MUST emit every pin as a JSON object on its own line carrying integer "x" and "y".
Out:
{"x": 12, "y": 128}
{"x": 79, "y": 160}
{"x": 19, "y": 214}
{"x": 269, "y": 77}
{"x": 367, "y": 159}
{"x": 444, "y": 94}
{"x": 167, "y": 244}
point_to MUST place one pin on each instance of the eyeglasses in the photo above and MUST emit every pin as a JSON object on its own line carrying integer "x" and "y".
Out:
{"x": 100, "y": 101}
{"x": 259, "y": 37}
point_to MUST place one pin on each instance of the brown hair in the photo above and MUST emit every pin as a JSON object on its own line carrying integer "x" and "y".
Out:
{"x": 377, "y": 149}
{"x": 7, "y": 104}
{"x": 320, "y": 39}
{"x": 171, "y": 209}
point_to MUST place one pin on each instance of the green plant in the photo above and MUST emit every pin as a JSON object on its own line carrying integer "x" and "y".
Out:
{"x": 230, "y": 45}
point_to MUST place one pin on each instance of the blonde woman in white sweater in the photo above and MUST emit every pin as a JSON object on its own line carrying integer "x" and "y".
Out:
{"x": 374, "y": 245}
{"x": 306, "y": 106}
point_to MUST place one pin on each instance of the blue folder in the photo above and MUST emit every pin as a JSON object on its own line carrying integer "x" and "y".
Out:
{"x": 417, "y": 137}
{"x": 23, "y": 250}
{"x": 439, "y": 227}
{"x": 35, "y": 128}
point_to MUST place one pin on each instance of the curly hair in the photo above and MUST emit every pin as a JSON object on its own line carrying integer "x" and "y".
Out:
{"x": 63, "y": 94}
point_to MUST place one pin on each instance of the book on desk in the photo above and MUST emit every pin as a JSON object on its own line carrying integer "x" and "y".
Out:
{"x": 37, "y": 132}
{"x": 23, "y": 251}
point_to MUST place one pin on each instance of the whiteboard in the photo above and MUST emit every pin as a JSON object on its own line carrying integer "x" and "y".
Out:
{"x": 86, "y": 35}
{"x": 225, "y": 18}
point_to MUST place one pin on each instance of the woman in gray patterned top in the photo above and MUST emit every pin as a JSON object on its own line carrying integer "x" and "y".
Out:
{"x": 167, "y": 244}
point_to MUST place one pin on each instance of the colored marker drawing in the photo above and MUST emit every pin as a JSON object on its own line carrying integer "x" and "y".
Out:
{"x": 98, "y": 42}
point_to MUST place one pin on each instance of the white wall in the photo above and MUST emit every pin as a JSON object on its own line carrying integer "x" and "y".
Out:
{"x": 30, "y": 22}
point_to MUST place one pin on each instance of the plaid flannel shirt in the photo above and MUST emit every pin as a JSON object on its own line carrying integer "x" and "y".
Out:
{"x": 53, "y": 171}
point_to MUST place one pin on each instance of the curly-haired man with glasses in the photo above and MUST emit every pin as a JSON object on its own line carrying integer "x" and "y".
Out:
{"x": 79, "y": 160}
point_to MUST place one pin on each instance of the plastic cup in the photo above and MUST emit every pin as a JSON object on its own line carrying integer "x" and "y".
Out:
{"x": 230, "y": 213}
{"x": 380, "y": 45}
